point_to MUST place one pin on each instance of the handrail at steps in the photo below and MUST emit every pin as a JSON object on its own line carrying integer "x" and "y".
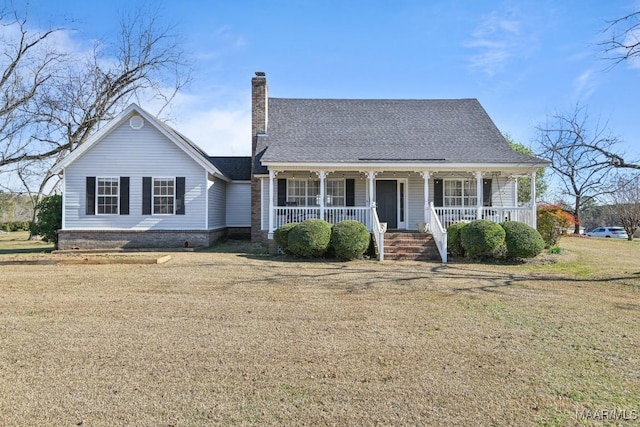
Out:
{"x": 378, "y": 232}
{"x": 439, "y": 233}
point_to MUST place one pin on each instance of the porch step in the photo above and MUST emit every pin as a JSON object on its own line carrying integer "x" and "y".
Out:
{"x": 410, "y": 246}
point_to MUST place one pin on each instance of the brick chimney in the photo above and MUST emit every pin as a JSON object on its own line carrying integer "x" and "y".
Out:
{"x": 259, "y": 108}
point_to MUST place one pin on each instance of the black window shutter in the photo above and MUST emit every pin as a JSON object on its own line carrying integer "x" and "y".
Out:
{"x": 146, "y": 195}
{"x": 350, "y": 192}
{"x": 486, "y": 192}
{"x": 180, "y": 188}
{"x": 438, "y": 199}
{"x": 282, "y": 192}
{"x": 124, "y": 195}
{"x": 91, "y": 196}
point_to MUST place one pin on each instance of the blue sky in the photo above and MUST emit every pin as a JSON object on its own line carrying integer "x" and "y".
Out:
{"x": 522, "y": 59}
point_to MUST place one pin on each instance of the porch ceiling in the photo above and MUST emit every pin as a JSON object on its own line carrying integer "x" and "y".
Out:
{"x": 502, "y": 169}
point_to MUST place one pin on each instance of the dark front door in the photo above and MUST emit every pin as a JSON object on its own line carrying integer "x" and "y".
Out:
{"x": 387, "y": 202}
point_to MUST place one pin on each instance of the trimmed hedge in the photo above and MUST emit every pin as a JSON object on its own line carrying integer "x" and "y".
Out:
{"x": 522, "y": 241}
{"x": 481, "y": 238}
{"x": 310, "y": 238}
{"x": 281, "y": 235}
{"x": 350, "y": 240}
{"x": 454, "y": 244}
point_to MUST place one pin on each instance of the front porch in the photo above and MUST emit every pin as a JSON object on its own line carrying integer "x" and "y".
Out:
{"x": 395, "y": 200}
{"x": 445, "y": 215}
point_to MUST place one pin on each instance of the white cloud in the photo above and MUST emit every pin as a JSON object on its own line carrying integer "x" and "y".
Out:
{"x": 218, "y": 132}
{"x": 632, "y": 39}
{"x": 496, "y": 40}
{"x": 584, "y": 85}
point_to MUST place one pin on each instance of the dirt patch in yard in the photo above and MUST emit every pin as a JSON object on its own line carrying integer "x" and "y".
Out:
{"x": 87, "y": 259}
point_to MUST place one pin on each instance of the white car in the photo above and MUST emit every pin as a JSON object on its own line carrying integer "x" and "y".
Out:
{"x": 616, "y": 232}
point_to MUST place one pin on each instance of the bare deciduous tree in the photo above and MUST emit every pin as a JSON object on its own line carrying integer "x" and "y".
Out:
{"x": 566, "y": 141}
{"x": 54, "y": 100}
{"x": 623, "y": 43}
{"x": 27, "y": 65}
{"x": 625, "y": 203}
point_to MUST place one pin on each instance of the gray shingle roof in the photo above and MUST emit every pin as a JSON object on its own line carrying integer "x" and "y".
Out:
{"x": 362, "y": 131}
{"x": 234, "y": 168}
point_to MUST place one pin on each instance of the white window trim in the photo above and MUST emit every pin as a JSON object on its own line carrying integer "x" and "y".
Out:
{"x": 472, "y": 185}
{"x": 153, "y": 196}
{"x": 117, "y": 195}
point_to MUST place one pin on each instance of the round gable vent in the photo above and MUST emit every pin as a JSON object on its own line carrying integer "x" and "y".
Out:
{"x": 136, "y": 122}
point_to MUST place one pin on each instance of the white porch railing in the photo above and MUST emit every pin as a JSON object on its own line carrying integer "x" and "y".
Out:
{"x": 508, "y": 214}
{"x": 451, "y": 215}
{"x": 378, "y": 233}
{"x": 333, "y": 215}
{"x": 439, "y": 233}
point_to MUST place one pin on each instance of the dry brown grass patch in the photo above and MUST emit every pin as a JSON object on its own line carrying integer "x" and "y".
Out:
{"x": 218, "y": 338}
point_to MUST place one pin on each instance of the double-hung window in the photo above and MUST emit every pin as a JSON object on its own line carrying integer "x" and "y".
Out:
{"x": 307, "y": 192}
{"x": 163, "y": 196}
{"x": 303, "y": 192}
{"x": 107, "y": 196}
{"x": 335, "y": 190}
{"x": 460, "y": 192}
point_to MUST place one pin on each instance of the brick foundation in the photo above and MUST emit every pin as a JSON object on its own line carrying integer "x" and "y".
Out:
{"x": 148, "y": 239}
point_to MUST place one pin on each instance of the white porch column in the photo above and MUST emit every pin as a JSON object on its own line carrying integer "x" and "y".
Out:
{"x": 371, "y": 175}
{"x": 426, "y": 175}
{"x": 272, "y": 175}
{"x": 479, "y": 195}
{"x": 515, "y": 193}
{"x": 322, "y": 175}
{"x": 534, "y": 212}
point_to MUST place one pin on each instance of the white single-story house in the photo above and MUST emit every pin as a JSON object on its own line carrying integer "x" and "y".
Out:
{"x": 396, "y": 165}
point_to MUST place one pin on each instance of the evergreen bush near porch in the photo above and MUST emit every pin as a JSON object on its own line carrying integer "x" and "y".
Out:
{"x": 522, "y": 241}
{"x": 281, "y": 236}
{"x": 350, "y": 240}
{"x": 310, "y": 238}
{"x": 454, "y": 244}
{"x": 482, "y": 238}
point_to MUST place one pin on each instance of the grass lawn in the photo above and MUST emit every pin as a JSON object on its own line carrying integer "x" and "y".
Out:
{"x": 17, "y": 242}
{"x": 215, "y": 338}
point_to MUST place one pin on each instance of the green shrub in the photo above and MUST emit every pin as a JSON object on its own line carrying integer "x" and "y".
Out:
{"x": 555, "y": 250}
{"x": 454, "y": 244}
{"x": 481, "y": 238}
{"x": 281, "y": 236}
{"x": 522, "y": 241}
{"x": 350, "y": 240}
{"x": 49, "y": 219}
{"x": 310, "y": 238}
{"x": 15, "y": 226}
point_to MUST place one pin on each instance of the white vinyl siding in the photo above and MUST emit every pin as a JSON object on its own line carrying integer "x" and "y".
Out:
{"x": 238, "y": 210}
{"x": 134, "y": 154}
{"x": 217, "y": 200}
{"x": 502, "y": 191}
{"x": 415, "y": 209}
